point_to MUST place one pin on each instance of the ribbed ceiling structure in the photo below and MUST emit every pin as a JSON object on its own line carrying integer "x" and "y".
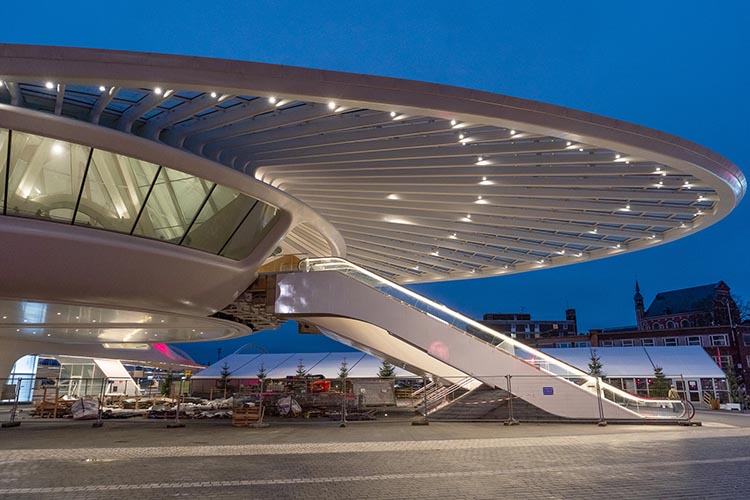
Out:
{"x": 417, "y": 196}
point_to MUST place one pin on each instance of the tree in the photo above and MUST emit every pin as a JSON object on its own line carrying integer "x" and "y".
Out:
{"x": 660, "y": 385}
{"x": 344, "y": 369}
{"x": 734, "y": 386}
{"x": 224, "y": 380}
{"x": 301, "y": 371}
{"x": 262, "y": 372}
{"x": 595, "y": 365}
{"x": 166, "y": 384}
{"x": 743, "y": 306}
{"x": 387, "y": 370}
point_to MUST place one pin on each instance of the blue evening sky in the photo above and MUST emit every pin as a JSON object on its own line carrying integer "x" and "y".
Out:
{"x": 681, "y": 67}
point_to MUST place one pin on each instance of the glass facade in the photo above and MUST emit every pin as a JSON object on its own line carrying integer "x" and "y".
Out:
{"x": 59, "y": 181}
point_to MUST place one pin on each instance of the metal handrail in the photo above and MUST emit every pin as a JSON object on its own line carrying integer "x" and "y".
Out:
{"x": 540, "y": 360}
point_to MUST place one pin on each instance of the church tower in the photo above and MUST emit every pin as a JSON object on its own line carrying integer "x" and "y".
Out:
{"x": 639, "y": 310}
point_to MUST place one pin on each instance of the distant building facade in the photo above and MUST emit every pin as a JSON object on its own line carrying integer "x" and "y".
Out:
{"x": 705, "y": 316}
{"x": 523, "y": 327}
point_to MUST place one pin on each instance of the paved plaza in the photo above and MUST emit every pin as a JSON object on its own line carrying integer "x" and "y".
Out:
{"x": 210, "y": 459}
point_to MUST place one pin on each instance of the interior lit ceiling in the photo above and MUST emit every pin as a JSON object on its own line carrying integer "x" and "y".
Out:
{"x": 74, "y": 324}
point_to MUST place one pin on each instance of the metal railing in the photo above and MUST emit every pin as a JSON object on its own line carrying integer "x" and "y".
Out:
{"x": 467, "y": 326}
{"x": 442, "y": 395}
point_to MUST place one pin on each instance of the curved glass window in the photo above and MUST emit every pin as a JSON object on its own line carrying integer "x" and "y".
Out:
{"x": 3, "y": 160}
{"x": 174, "y": 201}
{"x": 221, "y": 215}
{"x": 45, "y": 177}
{"x": 114, "y": 191}
{"x": 60, "y": 181}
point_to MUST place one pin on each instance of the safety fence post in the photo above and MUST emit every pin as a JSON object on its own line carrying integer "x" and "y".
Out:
{"x": 511, "y": 420}
{"x": 423, "y": 420}
{"x": 343, "y": 400}
{"x": 12, "y": 421}
{"x": 602, "y": 422}
{"x": 100, "y": 408}
{"x": 177, "y": 423}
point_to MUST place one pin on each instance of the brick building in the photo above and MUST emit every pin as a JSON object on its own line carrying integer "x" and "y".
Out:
{"x": 704, "y": 316}
{"x": 523, "y": 327}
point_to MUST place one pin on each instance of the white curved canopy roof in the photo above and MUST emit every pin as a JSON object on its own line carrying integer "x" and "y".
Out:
{"x": 424, "y": 182}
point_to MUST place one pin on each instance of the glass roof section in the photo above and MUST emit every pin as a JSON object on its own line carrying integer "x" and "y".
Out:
{"x": 59, "y": 181}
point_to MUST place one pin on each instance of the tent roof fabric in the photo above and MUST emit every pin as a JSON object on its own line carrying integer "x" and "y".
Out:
{"x": 328, "y": 364}
{"x": 112, "y": 368}
{"x": 686, "y": 361}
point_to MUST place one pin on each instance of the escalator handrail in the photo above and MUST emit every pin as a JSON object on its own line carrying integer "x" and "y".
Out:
{"x": 310, "y": 264}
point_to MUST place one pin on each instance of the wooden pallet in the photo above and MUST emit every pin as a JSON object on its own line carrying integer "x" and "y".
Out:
{"x": 245, "y": 417}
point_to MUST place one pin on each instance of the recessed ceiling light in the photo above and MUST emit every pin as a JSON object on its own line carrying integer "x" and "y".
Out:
{"x": 331, "y": 105}
{"x": 157, "y": 91}
{"x": 102, "y": 88}
{"x": 49, "y": 85}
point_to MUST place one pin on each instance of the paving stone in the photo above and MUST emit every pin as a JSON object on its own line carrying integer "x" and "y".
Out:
{"x": 456, "y": 461}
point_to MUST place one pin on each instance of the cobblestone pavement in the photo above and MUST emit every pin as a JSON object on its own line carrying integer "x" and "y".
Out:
{"x": 449, "y": 460}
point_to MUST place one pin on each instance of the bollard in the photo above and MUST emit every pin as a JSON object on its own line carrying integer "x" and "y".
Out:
{"x": 511, "y": 420}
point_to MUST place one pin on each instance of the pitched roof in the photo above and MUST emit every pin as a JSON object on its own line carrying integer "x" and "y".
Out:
{"x": 697, "y": 298}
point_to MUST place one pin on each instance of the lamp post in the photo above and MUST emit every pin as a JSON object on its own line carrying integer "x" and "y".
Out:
{"x": 731, "y": 329}
{"x": 736, "y": 340}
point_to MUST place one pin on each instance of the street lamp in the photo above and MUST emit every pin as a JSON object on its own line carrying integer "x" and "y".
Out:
{"x": 734, "y": 338}
{"x": 731, "y": 325}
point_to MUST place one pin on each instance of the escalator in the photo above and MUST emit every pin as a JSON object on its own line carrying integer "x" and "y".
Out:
{"x": 386, "y": 318}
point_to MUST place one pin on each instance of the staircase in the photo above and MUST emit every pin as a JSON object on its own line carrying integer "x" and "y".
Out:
{"x": 488, "y": 403}
{"x": 438, "y": 396}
